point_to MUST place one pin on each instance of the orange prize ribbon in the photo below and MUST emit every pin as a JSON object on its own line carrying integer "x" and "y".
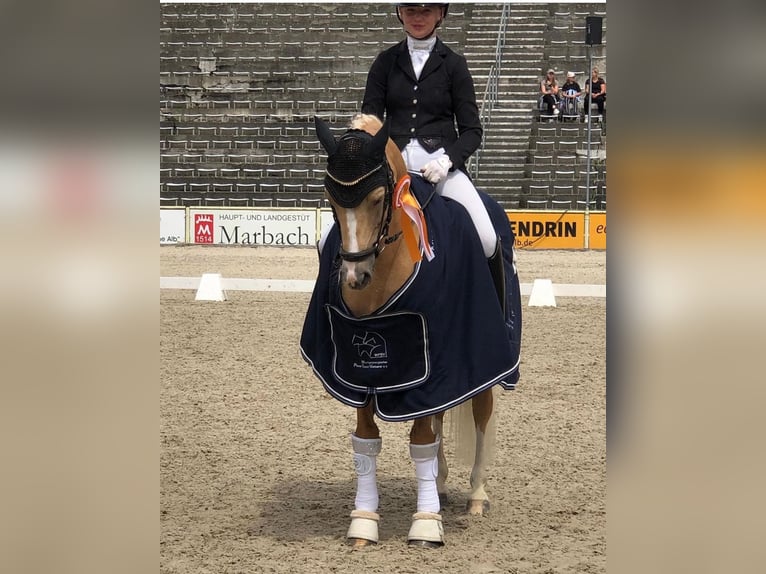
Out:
{"x": 410, "y": 209}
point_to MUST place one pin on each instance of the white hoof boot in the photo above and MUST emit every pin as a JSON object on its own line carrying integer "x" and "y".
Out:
{"x": 426, "y": 530}
{"x": 364, "y": 526}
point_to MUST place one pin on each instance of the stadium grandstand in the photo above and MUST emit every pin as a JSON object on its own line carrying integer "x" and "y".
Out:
{"x": 240, "y": 84}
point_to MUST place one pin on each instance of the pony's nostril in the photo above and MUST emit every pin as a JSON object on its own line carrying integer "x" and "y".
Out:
{"x": 358, "y": 280}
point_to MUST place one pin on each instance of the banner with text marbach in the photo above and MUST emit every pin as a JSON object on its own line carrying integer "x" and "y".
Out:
{"x": 597, "y": 237}
{"x": 548, "y": 229}
{"x": 253, "y": 227}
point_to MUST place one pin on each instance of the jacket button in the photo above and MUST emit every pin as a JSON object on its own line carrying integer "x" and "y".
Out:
{"x": 414, "y": 87}
{"x": 414, "y": 115}
{"x": 412, "y": 130}
{"x": 415, "y": 101}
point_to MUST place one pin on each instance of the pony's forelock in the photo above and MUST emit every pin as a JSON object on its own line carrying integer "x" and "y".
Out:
{"x": 372, "y": 124}
{"x": 367, "y": 122}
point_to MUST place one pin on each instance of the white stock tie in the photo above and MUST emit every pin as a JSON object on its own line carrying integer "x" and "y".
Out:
{"x": 418, "y": 58}
{"x": 419, "y": 52}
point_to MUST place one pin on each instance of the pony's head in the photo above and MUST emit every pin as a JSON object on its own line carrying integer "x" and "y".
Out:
{"x": 359, "y": 182}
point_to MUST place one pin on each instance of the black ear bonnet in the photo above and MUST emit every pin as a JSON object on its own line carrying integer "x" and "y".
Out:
{"x": 356, "y": 164}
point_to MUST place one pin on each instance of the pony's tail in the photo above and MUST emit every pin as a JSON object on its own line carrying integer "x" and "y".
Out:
{"x": 462, "y": 431}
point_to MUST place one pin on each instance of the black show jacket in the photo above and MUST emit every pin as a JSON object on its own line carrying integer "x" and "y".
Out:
{"x": 428, "y": 108}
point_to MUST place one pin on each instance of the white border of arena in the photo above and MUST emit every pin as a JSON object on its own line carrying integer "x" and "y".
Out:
{"x": 307, "y": 286}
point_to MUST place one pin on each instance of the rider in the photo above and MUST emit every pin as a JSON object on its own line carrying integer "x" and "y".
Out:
{"x": 423, "y": 88}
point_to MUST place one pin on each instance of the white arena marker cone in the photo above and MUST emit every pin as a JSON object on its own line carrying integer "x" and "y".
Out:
{"x": 542, "y": 294}
{"x": 210, "y": 288}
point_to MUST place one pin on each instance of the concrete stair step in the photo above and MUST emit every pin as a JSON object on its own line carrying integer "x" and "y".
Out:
{"x": 512, "y": 132}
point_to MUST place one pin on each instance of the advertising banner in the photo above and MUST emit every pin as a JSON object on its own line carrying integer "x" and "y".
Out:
{"x": 597, "y": 231}
{"x": 288, "y": 227}
{"x": 548, "y": 229}
{"x": 172, "y": 226}
{"x": 303, "y": 227}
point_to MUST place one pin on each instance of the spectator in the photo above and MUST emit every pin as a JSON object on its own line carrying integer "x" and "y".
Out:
{"x": 549, "y": 87}
{"x": 596, "y": 87}
{"x": 425, "y": 91}
{"x": 570, "y": 94}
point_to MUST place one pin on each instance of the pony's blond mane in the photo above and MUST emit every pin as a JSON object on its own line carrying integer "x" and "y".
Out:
{"x": 372, "y": 124}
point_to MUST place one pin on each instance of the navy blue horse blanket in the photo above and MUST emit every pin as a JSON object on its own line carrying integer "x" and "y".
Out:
{"x": 439, "y": 340}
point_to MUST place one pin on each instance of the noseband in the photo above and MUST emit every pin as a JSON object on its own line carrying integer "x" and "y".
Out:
{"x": 385, "y": 219}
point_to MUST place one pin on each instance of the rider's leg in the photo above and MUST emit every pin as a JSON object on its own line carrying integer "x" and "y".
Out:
{"x": 458, "y": 187}
{"x": 497, "y": 270}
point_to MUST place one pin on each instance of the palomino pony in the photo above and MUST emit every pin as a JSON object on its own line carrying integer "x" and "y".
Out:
{"x": 400, "y": 337}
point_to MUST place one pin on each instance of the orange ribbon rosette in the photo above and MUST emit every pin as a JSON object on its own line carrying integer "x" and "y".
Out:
{"x": 411, "y": 211}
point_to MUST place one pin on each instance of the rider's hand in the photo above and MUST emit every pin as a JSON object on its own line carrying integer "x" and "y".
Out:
{"x": 437, "y": 169}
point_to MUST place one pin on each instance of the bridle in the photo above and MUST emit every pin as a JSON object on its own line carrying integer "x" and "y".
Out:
{"x": 383, "y": 239}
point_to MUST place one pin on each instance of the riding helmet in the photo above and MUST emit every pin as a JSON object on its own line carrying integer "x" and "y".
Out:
{"x": 444, "y": 5}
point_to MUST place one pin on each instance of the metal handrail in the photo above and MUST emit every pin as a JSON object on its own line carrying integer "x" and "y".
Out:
{"x": 489, "y": 98}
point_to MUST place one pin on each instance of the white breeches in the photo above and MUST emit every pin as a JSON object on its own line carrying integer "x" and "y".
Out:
{"x": 456, "y": 186}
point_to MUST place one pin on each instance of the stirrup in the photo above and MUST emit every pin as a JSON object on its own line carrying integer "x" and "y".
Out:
{"x": 426, "y": 529}
{"x": 364, "y": 525}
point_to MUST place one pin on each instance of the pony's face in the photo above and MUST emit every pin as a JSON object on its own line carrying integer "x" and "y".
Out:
{"x": 358, "y": 185}
{"x": 360, "y": 230}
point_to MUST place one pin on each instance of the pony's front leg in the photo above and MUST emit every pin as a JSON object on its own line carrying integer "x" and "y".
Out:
{"x": 366, "y": 444}
{"x": 443, "y": 473}
{"x": 426, "y": 529}
{"x": 482, "y": 404}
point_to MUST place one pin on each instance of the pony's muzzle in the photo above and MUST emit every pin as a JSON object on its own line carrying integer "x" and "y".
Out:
{"x": 357, "y": 274}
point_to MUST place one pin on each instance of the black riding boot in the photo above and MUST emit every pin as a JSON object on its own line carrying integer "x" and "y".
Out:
{"x": 495, "y": 263}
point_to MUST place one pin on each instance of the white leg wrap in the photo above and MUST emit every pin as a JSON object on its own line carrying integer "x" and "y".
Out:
{"x": 365, "y": 457}
{"x": 426, "y": 470}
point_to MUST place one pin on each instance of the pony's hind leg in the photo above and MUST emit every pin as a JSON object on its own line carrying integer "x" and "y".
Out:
{"x": 366, "y": 444}
{"x": 478, "y": 503}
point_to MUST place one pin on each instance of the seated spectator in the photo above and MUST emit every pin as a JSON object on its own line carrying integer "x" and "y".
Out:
{"x": 598, "y": 93}
{"x": 549, "y": 87}
{"x": 570, "y": 94}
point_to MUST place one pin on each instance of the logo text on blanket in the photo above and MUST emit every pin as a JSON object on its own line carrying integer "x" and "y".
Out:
{"x": 371, "y": 350}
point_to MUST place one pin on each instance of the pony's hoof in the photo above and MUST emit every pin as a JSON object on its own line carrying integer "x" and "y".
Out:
{"x": 357, "y": 543}
{"x": 477, "y": 507}
{"x": 426, "y": 531}
{"x": 363, "y": 530}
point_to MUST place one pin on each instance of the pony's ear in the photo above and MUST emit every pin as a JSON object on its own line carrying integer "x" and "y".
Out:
{"x": 379, "y": 140}
{"x": 324, "y": 134}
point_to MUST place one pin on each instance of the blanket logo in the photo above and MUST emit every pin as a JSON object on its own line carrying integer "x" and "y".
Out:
{"x": 371, "y": 350}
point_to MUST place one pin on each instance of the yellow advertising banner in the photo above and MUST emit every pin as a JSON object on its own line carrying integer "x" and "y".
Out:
{"x": 597, "y": 231}
{"x": 549, "y": 229}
